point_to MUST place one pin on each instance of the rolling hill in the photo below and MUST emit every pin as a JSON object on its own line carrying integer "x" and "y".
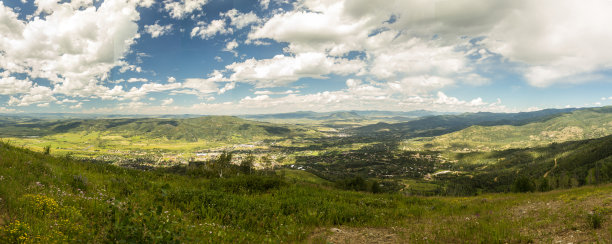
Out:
{"x": 442, "y": 124}
{"x": 211, "y": 128}
{"x": 577, "y": 125}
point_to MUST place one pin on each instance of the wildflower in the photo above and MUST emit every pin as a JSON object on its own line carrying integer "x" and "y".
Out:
{"x": 16, "y": 232}
{"x": 41, "y": 204}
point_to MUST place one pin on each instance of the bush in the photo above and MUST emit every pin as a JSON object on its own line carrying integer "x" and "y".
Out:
{"x": 522, "y": 184}
{"x": 356, "y": 183}
{"x": 248, "y": 184}
{"x": 594, "y": 220}
{"x": 79, "y": 182}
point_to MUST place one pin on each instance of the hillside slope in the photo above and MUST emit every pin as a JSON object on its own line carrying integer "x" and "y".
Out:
{"x": 577, "y": 125}
{"x": 46, "y": 199}
{"x": 560, "y": 165}
{"x": 211, "y": 128}
{"x": 442, "y": 124}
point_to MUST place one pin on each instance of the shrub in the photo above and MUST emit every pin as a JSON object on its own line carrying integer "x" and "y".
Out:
{"x": 79, "y": 182}
{"x": 248, "y": 184}
{"x": 41, "y": 204}
{"x": 594, "y": 219}
{"x": 522, "y": 184}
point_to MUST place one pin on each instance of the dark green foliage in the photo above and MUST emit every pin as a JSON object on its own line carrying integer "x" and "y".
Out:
{"x": 376, "y": 187}
{"x": 523, "y": 184}
{"x": 356, "y": 184}
{"x": 246, "y": 165}
{"x": 47, "y": 150}
{"x": 215, "y": 168}
{"x": 583, "y": 162}
{"x": 276, "y": 130}
{"x": 542, "y": 185}
{"x": 248, "y": 184}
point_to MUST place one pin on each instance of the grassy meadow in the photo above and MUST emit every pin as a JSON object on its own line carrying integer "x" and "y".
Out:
{"x": 47, "y": 199}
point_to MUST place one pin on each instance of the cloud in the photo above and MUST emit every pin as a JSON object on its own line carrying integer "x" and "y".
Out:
{"x": 264, "y": 4}
{"x": 417, "y": 85}
{"x": 393, "y": 55}
{"x": 202, "y": 86}
{"x": 157, "y": 30}
{"x": 132, "y": 80}
{"x": 181, "y": 8}
{"x": 73, "y": 46}
{"x": 567, "y": 44}
{"x": 12, "y": 85}
{"x": 319, "y": 29}
{"x": 171, "y": 79}
{"x": 240, "y": 20}
{"x": 136, "y": 94}
{"x": 230, "y": 46}
{"x": 66, "y": 100}
{"x": 571, "y": 39}
{"x": 266, "y": 92}
{"x": 76, "y": 106}
{"x": 167, "y": 102}
{"x": 36, "y": 95}
{"x": 392, "y": 59}
{"x": 206, "y": 31}
{"x": 281, "y": 70}
{"x": 227, "y": 87}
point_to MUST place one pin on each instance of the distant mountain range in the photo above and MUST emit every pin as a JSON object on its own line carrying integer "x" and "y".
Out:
{"x": 346, "y": 115}
{"x": 569, "y": 126}
{"x": 441, "y": 124}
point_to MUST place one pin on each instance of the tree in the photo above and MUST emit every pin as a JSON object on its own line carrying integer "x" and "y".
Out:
{"x": 246, "y": 165}
{"x": 266, "y": 161}
{"x": 376, "y": 187}
{"x": 223, "y": 162}
{"x": 522, "y": 184}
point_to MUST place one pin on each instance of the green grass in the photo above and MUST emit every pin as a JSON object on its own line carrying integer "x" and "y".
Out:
{"x": 48, "y": 199}
{"x": 302, "y": 176}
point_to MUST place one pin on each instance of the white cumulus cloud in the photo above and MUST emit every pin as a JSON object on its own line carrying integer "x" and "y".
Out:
{"x": 180, "y": 9}
{"x": 206, "y": 31}
{"x": 156, "y": 30}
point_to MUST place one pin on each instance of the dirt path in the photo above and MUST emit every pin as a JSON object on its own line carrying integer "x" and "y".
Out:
{"x": 356, "y": 235}
{"x": 546, "y": 174}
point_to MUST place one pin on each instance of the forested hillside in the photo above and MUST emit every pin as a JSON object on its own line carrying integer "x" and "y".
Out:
{"x": 576, "y": 125}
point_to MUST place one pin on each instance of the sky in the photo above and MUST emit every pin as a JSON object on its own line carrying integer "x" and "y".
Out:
{"x": 273, "y": 56}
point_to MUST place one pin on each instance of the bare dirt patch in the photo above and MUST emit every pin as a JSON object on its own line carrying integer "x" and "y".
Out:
{"x": 564, "y": 220}
{"x": 357, "y": 235}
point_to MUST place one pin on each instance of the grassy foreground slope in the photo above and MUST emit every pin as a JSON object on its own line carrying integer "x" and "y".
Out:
{"x": 47, "y": 199}
{"x": 577, "y": 125}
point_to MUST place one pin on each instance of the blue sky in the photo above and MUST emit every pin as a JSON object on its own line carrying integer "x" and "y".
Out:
{"x": 270, "y": 56}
